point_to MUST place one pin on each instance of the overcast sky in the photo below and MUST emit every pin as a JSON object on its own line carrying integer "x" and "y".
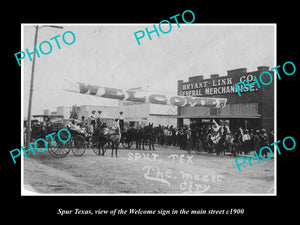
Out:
{"x": 108, "y": 55}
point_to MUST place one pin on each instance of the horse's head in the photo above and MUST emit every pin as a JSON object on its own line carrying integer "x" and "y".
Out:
{"x": 147, "y": 129}
{"x": 105, "y": 131}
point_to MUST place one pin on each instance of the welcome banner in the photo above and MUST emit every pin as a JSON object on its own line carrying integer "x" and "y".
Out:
{"x": 142, "y": 96}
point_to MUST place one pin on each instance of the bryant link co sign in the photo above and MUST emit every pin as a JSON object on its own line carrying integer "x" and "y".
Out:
{"x": 214, "y": 86}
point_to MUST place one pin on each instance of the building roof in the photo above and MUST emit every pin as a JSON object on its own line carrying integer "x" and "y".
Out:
{"x": 49, "y": 115}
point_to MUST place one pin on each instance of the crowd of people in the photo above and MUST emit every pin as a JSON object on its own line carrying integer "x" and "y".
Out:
{"x": 199, "y": 139}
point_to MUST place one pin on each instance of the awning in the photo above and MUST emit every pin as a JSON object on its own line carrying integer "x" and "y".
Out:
{"x": 245, "y": 116}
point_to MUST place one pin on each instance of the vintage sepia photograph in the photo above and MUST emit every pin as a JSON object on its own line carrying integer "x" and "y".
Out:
{"x": 148, "y": 109}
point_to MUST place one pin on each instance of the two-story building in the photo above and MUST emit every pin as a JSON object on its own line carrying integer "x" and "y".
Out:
{"x": 252, "y": 110}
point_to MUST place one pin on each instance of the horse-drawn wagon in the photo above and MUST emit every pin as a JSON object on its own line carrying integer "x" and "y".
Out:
{"x": 81, "y": 137}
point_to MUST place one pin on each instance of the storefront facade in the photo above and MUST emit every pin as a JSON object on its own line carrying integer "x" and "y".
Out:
{"x": 252, "y": 110}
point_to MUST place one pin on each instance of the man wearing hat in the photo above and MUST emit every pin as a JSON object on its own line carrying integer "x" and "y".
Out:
{"x": 121, "y": 120}
{"x": 264, "y": 142}
{"x": 188, "y": 140}
{"x": 48, "y": 126}
{"x": 256, "y": 142}
{"x": 99, "y": 119}
{"x": 246, "y": 141}
{"x": 92, "y": 119}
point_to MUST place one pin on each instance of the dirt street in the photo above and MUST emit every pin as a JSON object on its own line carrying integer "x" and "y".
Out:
{"x": 167, "y": 170}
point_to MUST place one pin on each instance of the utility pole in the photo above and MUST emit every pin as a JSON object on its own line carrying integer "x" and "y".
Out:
{"x": 28, "y": 130}
{"x": 28, "y": 136}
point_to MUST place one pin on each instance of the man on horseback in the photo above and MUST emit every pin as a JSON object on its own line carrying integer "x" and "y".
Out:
{"x": 215, "y": 136}
{"x": 121, "y": 121}
{"x": 112, "y": 135}
{"x": 221, "y": 138}
{"x": 99, "y": 119}
{"x": 92, "y": 119}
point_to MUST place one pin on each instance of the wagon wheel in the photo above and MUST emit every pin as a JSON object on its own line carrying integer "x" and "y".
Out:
{"x": 102, "y": 146}
{"x": 105, "y": 147}
{"x": 60, "y": 149}
{"x": 78, "y": 145}
{"x": 93, "y": 144}
{"x": 127, "y": 144}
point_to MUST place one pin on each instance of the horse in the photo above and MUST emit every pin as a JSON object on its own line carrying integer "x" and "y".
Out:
{"x": 138, "y": 136}
{"x": 109, "y": 135}
{"x": 114, "y": 137}
{"x": 158, "y": 132}
{"x": 149, "y": 135}
{"x": 97, "y": 138}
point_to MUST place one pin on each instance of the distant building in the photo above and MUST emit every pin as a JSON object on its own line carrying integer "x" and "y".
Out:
{"x": 46, "y": 111}
{"x": 142, "y": 113}
{"x": 150, "y": 113}
{"x": 65, "y": 111}
{"x": 108, "y": 112}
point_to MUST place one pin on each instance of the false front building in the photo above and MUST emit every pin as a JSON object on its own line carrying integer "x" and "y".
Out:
{"x": 252, "y": 110}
